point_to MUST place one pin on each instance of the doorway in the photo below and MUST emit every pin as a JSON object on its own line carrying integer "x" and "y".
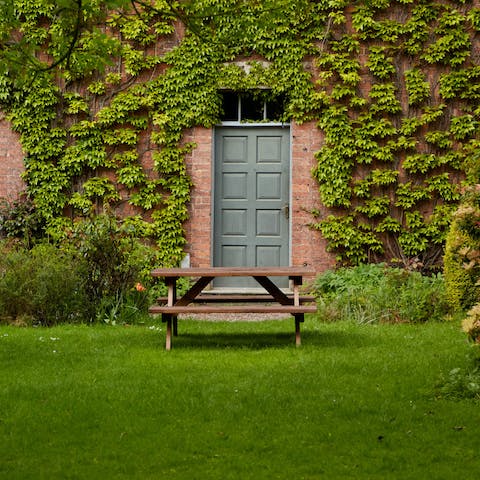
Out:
{"x": 251, "y": 200}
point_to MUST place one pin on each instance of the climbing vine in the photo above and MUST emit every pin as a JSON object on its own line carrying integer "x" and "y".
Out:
{"x": 107, "y": 95}
{"x": 402, "y": 91}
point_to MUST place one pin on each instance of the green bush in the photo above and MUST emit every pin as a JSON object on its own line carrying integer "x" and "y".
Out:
{"x": 40, "y": 286}
{"x": 462, "y": 254}
{"x": 100, "y": 273}
{"x": 377, "y": 293}
{"x": 462, "y": 383}
{"x": 113, "y": 263}
{"x": 20, "y": 219}
{"x": 471, "y": 324}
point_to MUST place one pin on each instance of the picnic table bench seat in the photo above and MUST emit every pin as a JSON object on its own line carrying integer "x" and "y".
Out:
{"x": 239, "y": 297}
{"x": 287, "y": 309}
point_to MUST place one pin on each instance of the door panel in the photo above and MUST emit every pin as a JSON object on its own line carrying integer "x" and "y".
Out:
{"x": 251, "y": 227}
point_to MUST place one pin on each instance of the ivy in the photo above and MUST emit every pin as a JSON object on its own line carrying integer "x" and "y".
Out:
{"x": 379, "y": 64}
{"x": 410, "y": 195}
{"x": 102, "y": 111}
{"x": 386, "y": 100}
{"x": 439, "y": 138}
{"x": 384, "y": 177}
{"x": 350, "y": 240}
{"x": 414, "y": 238}
{"x": 463, "y": 126}
{"x": 389, "y": 225}
{"x": 444, "y": 186}
{"x": 418, "y": 88}
{"x": 400, "y": 120}
{"x": 378, "y": 206}
{"x": 417, "y": 27}
{"x": 473, "y": 17}
{"x": 453, "y": 43}
{"x": 420, "y": 162}
{"x": 463, "y": 83}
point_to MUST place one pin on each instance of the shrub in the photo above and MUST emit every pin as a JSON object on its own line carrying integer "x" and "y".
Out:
{"x": 99, "y": 273}
{"x": 19, "y": 219}
{"x": 471, "y": 324}
{"x": 112, "y": 261}
{"x": 40, "y": 286}
{"x": 378, "y": 293}
{"x": 462, "y": 253}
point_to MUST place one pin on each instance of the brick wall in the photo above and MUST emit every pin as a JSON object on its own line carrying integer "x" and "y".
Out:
{"x": 308, "y": 246}
{"x": 11, "y": 162}
{"x": 199, "y": 225}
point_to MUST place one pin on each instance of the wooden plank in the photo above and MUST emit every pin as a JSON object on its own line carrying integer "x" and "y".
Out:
{"x": 246, "y": 297}
{"x": 234, "y": 272}
{"x": 288, "y": 309}
{"x": 273, "y": 290}
{"x": 171, "y": 284}
{"x": 194, "y": 291}
{"x": 241, "y": 297}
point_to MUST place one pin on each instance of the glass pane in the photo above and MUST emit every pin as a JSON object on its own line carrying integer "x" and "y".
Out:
{"x": 252, "y": 108}
{"x": 276, "y": 108}
{"x": 230, "y": 107}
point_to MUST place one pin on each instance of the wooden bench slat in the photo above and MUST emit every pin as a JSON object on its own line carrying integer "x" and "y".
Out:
{"x": 246, "y": 297}
{"x": 243, "y": 297}
{"x": 288, "y": 309}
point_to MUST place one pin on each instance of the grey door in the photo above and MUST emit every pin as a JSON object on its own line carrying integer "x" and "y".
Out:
{"x": 251, "y": 226}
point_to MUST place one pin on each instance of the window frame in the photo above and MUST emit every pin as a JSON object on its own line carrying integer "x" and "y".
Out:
{"x": 241, "y": 122}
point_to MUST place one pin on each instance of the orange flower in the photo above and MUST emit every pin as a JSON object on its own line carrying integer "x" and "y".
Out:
{"x": 139, "y": 287}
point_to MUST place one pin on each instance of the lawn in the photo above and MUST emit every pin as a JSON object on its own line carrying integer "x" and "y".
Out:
{"x": 236, "y": 401}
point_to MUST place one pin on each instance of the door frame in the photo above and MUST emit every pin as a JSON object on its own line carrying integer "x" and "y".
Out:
{"x": 258, "y": 126}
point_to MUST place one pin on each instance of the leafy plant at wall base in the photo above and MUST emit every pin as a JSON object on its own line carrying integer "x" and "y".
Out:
{"x": 21, "y": 220}
{"x": 378, "y": 293}
{"x": 41, "y": 286}
{"x": 112, "y": 261}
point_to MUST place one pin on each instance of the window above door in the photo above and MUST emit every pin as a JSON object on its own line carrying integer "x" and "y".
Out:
{"x": 252, "y": 107}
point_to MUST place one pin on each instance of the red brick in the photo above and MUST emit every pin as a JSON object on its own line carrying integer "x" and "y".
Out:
{"x": 11, "y": 162}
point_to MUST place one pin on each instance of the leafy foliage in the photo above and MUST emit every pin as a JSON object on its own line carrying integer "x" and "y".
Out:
{"x": 462, "y": 255}
{"x": 377, "y": 293}
{"x": 40, "y": 286}
{"x": 20, "y": 219}
{"x": 392, "y": 119}
{"x": 111, "y": 260}
{"x": 102, "y": 91}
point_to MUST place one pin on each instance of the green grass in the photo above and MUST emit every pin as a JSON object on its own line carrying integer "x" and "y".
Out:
{"x": 235, "y": 401}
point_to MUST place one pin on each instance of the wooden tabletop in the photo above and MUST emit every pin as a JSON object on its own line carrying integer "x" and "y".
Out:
{"x": 234, "y": 272}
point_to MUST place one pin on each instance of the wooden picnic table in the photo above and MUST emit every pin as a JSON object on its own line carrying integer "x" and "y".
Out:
{"x": 289, "y": 303}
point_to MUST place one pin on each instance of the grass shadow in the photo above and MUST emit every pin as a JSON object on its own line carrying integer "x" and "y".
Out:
{"x": 337, "y": 338}
{"x": 251, "y": 341}
{"x": 257, "y": 340}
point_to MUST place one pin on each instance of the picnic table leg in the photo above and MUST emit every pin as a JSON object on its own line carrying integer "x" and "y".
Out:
{"x": 299, "y": 318}
{"x": 171, "y": 300}
{"x": 175, "y": 326}
{"x": 168, "y": 338}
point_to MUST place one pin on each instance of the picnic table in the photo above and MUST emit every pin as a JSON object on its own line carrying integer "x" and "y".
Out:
{"x": 198, "y": 301}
